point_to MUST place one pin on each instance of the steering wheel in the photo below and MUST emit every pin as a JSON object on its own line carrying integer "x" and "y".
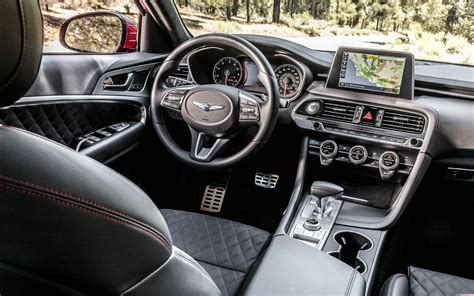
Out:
{"x": 215, "y": 114}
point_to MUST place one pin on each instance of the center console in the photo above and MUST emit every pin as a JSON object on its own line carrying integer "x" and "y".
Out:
{"x": 363, "y": 153}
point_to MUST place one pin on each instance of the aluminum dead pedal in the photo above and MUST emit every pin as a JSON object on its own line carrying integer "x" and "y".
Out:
{"x": 268, "y": 181}
{"x": 214, "y": 193}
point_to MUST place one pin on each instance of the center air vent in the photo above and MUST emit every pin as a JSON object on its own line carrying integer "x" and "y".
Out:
{"x": 339, "y": 111}
{"x": 402, "y": 121}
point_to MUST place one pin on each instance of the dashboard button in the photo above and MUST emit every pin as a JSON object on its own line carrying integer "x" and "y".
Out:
{"x": 344, "y": 148}
{"x": 314, "y": 142}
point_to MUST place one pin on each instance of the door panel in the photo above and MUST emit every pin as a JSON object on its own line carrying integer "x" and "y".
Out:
{"x": 78, "y": 74}
{"x": 72, "y": 104}
{"x": 101, "y": 130}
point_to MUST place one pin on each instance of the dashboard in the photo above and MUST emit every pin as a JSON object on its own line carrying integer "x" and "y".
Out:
{"x": 439, "y": 109}
{"x": 368, "y": 122}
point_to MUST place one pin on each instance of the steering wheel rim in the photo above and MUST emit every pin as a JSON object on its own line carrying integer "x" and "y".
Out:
{"x": 268, "y": 110}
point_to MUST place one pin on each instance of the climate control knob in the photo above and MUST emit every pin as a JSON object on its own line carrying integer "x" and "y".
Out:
{"x": 388, "y": 163}
{"x": 358, "y": 154}
{"x": 327, "y": 152}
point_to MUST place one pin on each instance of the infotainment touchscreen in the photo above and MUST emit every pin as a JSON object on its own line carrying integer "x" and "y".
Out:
{"x": 371, "y": 72}
{"x": 385, "y": 72}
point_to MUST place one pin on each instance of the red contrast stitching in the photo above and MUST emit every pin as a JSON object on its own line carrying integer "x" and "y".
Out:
{"x": 79, "y": 199}
{"x": 141, "y": 228}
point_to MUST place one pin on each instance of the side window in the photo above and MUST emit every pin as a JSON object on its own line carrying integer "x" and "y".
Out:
{"x": 89, "y": 26}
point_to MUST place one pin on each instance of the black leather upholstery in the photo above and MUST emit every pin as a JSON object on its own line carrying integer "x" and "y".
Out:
{"x": 226, "y": 249}
{"x": 21, "y": 30}
{"x": 396, "y": 285}
{"x": 62, "y": 122}
{"x": 290, "y": 267}
{"x": 426, "y": 282}
{"x": 72, "y": 219}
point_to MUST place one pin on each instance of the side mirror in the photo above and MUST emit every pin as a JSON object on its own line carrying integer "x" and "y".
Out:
{"x": 99, "y": 32}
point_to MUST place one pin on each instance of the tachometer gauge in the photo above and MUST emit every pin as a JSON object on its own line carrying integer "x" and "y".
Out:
{"x": 227, "y": 71}
{"x": 289, "y": 79}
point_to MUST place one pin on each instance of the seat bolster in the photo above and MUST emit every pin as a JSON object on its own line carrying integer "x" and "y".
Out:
{"x": 180, "y": 275}
{"x": 396, "y": 285}
{"x": 72, "y": 220}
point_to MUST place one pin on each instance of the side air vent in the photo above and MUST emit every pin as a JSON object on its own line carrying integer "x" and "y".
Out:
{"x": 180, "y": 77}
{"x": 402, "y": 121}
{"x": 339, "y": 111}
{"x": 182, "y": 72}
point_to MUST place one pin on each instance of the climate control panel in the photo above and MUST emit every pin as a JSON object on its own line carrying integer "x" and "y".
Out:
{"x": 382, "y": 161}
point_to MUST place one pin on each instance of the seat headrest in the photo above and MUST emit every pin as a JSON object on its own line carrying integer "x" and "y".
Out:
{"x": 21, "y": 31}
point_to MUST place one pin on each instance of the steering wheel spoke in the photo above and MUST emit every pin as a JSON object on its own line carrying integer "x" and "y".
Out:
{"x": 205, "y": 148}
{"x": 249, "y": 109}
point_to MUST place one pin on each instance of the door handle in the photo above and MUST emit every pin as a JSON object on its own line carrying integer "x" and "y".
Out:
{"x": 120, "y": 86}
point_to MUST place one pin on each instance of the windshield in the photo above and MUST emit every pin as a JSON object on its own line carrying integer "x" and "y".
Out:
{"x": 433, "y": 30}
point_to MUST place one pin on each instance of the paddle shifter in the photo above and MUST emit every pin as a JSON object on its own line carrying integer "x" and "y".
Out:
{"x": 324, "y": 192}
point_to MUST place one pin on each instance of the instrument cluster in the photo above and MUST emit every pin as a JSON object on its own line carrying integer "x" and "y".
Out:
{"x": 243, "y": 73}
{"x": 214, "y": 65}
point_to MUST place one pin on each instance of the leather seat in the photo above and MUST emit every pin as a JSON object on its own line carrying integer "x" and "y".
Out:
{"x": 226, "y": 249}
{"x": 426, "y": 282}
{"x": 70, "y": 225}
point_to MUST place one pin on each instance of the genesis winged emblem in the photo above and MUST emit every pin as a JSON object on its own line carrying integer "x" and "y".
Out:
{"x": 208, "y": 107}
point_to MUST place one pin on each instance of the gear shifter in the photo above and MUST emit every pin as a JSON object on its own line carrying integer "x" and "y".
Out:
{"x": 324, "y": 192}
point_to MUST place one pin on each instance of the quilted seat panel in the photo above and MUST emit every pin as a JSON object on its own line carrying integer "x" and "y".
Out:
{"x": 62, "y": 122}
{"x": 226, "y": 249}
{"x": 427, "y": 282}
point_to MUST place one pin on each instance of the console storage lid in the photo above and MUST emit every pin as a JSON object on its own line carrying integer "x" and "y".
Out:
{"x": 290, "y": 267}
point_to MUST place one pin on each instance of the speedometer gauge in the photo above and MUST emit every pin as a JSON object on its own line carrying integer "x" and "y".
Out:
{"x": 227, "y": 71}
{"x": 289, "y": 79}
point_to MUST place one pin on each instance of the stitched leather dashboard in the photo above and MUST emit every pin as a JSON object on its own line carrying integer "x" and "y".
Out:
{"x": 62, "y": 122}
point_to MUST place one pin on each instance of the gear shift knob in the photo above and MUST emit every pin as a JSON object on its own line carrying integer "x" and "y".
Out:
{"x": 323, "y": 191}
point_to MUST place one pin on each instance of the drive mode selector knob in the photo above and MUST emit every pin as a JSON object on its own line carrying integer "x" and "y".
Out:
{"x": 313, "y": 108}
{"x": 358, "y": 154}
{"x": 388, "y": 163}
{"x": 312, "y": 225}
{"x": 327, "y": 152}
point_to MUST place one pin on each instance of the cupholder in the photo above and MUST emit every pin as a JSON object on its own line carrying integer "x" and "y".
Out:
{"x": 351, "y": 244}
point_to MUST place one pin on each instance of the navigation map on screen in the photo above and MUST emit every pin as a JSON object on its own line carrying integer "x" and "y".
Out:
{"x": 372, "y": 72}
